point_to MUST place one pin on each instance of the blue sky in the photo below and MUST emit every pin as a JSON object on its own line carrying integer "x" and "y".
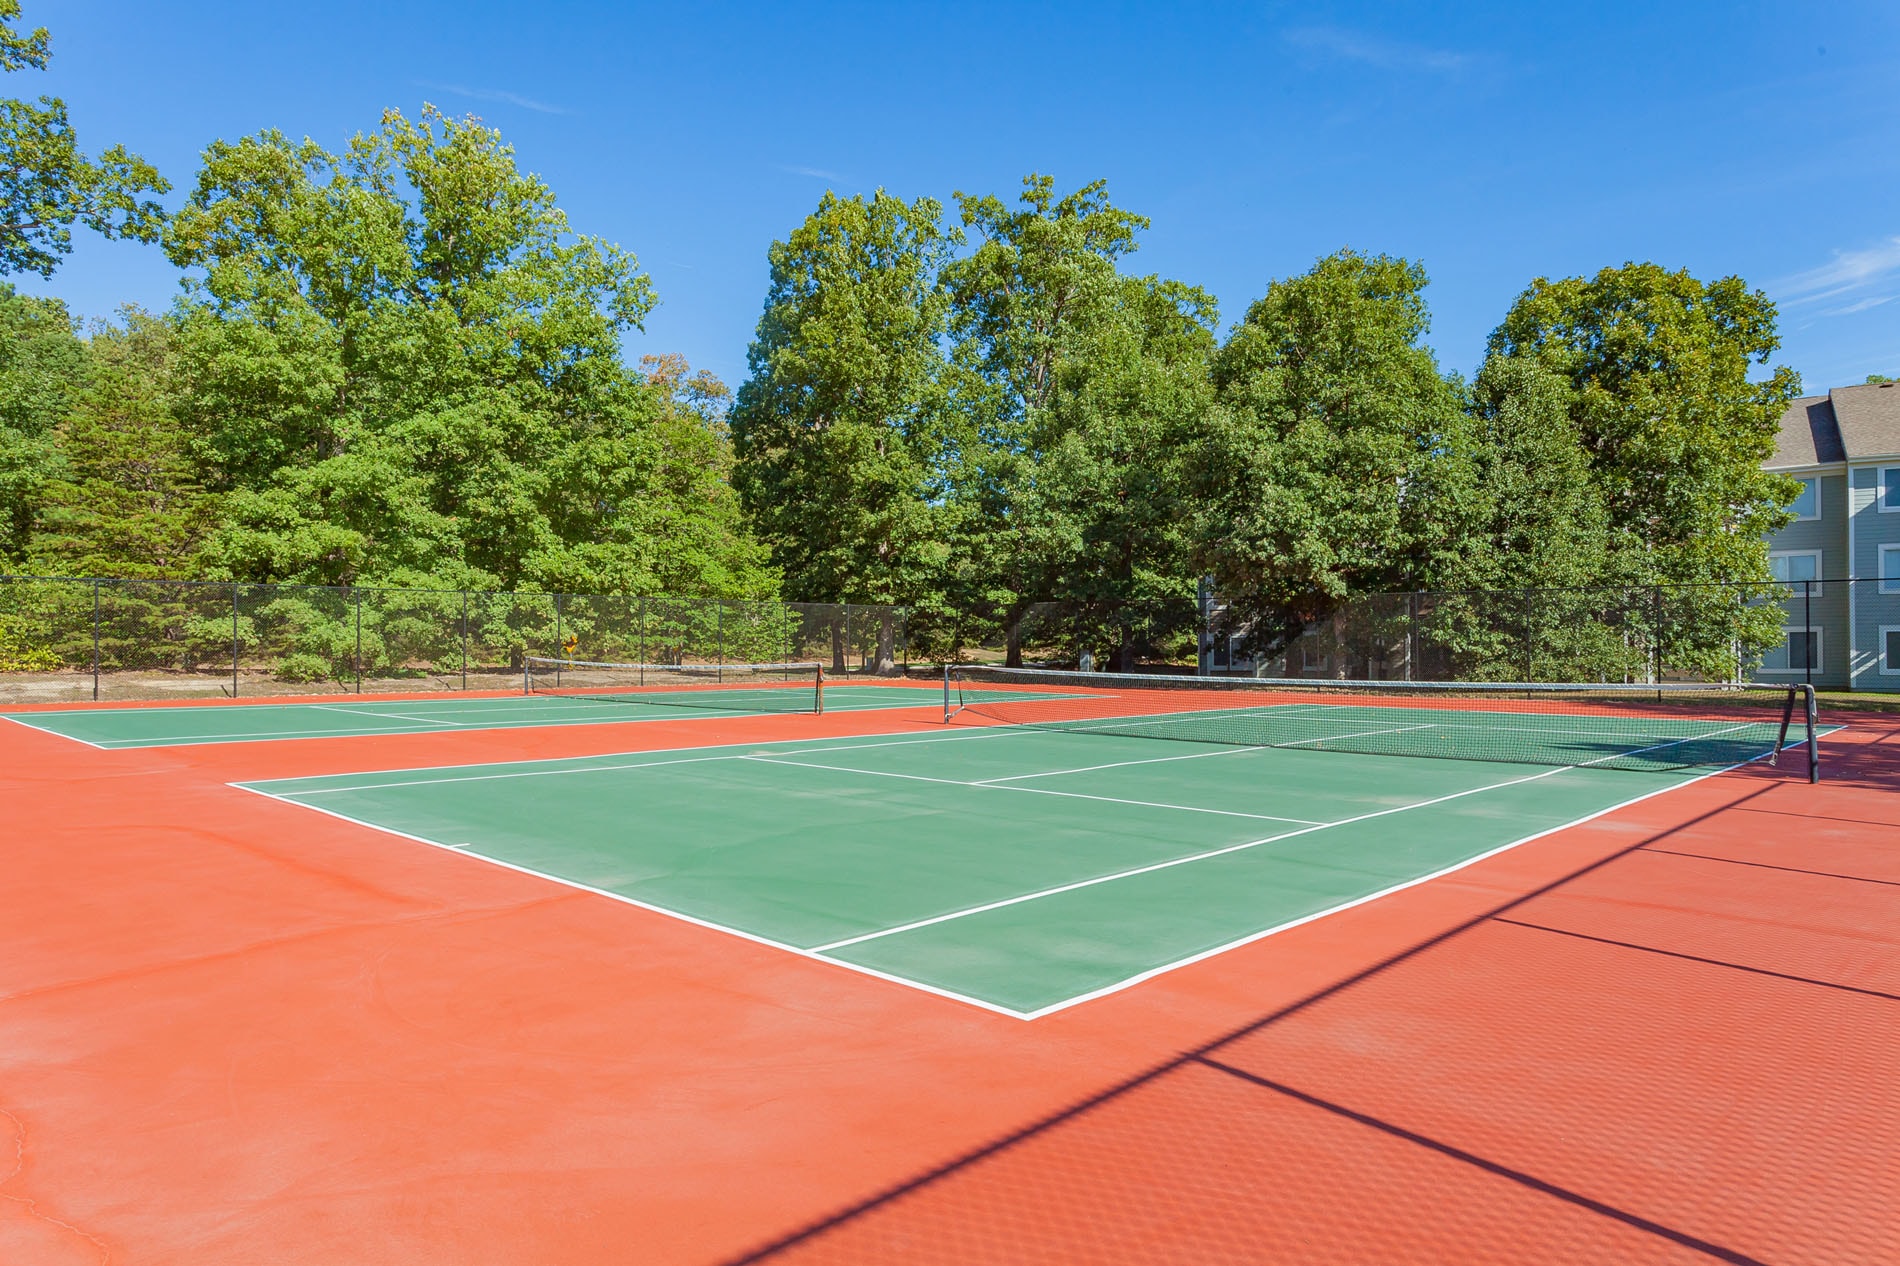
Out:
{"x": 1493, "y": 143}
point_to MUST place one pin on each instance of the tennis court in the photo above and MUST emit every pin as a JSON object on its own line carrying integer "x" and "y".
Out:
{"x": 1027, "y": 867}
{"x": 186, "y": 724}
{"x": 1019, "y": 967}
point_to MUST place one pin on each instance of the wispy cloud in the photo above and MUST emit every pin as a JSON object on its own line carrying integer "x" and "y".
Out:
{"x": 1861, "y": 306}
{"x": 1847, "y": 271}
{"x": 493, "y": 94}
{"x": 816, "y": 173}
{"x": 1372, "y": 50}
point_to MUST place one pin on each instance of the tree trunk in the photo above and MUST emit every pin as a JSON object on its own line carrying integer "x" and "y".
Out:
{"x": 837, "y": 640}
{"x": 1013, "y": 646}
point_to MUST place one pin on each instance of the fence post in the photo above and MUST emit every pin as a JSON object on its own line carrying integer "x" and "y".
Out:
{"x": 1530, "y": 640}
{"x": 234, "y": 641}
{"x": 642, "y": 656}
{"x": 465, "y": 639}
{"x": 358, "y": 595}
{"x": 1411, "y": 636}
{"x": 560, "y": 642}
{"x": 1807, "y": 624}
{"x": 719, "y": 633}
{"x": 1655, "y": 635}
{"x": 95, "y": 641}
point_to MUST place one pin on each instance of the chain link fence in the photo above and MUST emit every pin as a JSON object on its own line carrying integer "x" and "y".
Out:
{"x": 1835, "y": 634}
{"x": 103, "y": 639}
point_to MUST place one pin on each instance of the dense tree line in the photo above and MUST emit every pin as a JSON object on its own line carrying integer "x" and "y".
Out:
{"x": 978, "y": 415}
{"x": 397, "y": 364}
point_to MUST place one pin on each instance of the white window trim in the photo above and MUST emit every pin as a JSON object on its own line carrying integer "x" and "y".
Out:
{"x": 1816, "y": 481}
{"x": 1881, "y": 659}
{"x": 1889, "y": 576}
{"x": 1790, "y": 593}
{"x": 1880, "y": 490}
{"x": 1820, "y": 649}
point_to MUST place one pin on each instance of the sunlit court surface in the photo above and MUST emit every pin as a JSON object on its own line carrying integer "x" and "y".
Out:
{"x": 992, "y": 966}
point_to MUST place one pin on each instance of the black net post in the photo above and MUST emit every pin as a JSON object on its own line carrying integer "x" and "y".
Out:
{"x": 1814, "y": 745}
{"x": 234, "y": 641}
{"x": 946, "y": 694}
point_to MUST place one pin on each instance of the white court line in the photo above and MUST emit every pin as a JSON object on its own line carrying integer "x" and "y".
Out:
{"x": 466, "y": 850}
{"x": 989, "y": 732}
{"x": 40, "y": 729}
{"x": 980, "y": 1003}
{"x": 365, "y": 712}
{"x": 1203, "y": 955}
{"x": 671, "y": 712}
{"x": 1215, "y": 852}
{"x": 1395, "y": 729}
{"x": 1119, "y": 764}
{"x": 1034, "y": 791}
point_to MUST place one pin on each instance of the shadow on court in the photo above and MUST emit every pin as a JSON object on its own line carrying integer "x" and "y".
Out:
{"x": 1686, "y": 1051}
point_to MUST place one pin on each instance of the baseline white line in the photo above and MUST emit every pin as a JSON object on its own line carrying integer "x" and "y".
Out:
{"x": 464, "y": 850}
{"x": 1034, "y": 791}
{"x": 40, "y": 729}
{"x": 1212, "y": 853}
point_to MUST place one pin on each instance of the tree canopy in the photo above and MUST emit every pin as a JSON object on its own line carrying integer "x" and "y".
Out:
{"x": 47, "y": 184}
{"x": 396, "y": 362}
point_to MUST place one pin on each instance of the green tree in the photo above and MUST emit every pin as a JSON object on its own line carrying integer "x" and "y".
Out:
{"x": 1108, "y": 488}
{"x": 1537, "y": 520}
{"x": 43, "y": 365}
{"x": 1029, "y": 306}
{"x": 1338, "y": 461}
{"x": 47, "y": 184}
{"x": 127, "y": 501}
{"x": 835, "y": 426}
{"x": 1675, "y": 432}
{"x": 400, "y": 364}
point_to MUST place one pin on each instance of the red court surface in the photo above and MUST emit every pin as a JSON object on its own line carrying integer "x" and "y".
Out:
{"x": 232, "y": 1031}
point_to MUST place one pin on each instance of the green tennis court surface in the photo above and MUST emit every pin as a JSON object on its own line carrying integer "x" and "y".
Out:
{"x": 214, "y": 723}
{"x": 1019, "y": 868}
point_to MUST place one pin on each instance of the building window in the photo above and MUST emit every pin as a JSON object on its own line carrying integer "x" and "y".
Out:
{"x": 1799, "y": 652}
{"x": 1889, "y": 495}
{"x": 1313, "y": 655}
{"x": 1808, "y": 504}
{"x": 1793, "y": 566}
{"x": 1890, "y": 649}
{"x": 1890, "y": 569}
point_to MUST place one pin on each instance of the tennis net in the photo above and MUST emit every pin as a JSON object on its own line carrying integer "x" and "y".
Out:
{"x": 721, "y": 687}
{"x": 1635, "y": 727}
